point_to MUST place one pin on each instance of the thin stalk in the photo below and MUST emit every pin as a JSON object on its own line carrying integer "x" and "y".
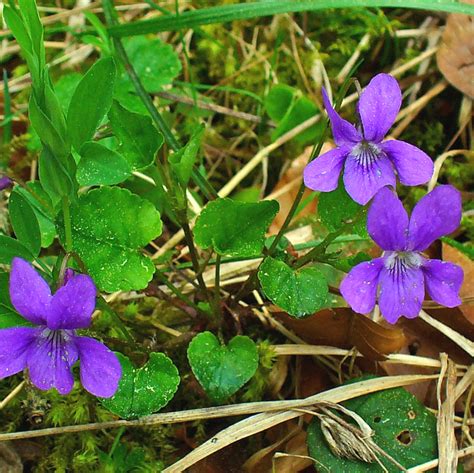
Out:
{"x": 116, "y": 441}
{"x": 188, "y": 236}
{"x": 67, "y": 224}
{"x": 103, "y": 305}
{"x": 217, "y": 289}
{"x": 320, "y": 250}
{"x": 176, "y": 291}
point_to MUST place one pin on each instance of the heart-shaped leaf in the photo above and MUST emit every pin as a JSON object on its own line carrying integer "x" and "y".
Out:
{"x": 300, "y": 293}
{"x": 144, "y": 390}
{"x": 222, "y": 370}
{"x": 155, "y": 62}
{"x": 235, "y": 228}
{"x": 402, "y": 427}
{"x": 109, "y": 227}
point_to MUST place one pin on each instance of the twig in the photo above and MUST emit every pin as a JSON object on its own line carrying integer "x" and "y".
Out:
{"x": 11, "y": 395}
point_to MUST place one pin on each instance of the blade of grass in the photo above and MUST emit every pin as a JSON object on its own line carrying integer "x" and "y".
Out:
{"x": 245, "y": 11}
{"x": 7, "y": 126}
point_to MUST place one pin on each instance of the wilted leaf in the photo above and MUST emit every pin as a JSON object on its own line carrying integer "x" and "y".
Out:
{"x": 345, "y": 329}
{"x": 456, "y": 53}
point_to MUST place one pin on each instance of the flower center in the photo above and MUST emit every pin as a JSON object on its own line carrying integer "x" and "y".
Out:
{"x": 400, "y": 261}
{"x": 56, "y": 340}
{"x": 366, "y": 153}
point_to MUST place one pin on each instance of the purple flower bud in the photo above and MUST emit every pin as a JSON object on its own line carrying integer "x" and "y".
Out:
{"x": 5, "y": 183}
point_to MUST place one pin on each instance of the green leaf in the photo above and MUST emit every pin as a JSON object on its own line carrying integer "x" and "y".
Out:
{"x": 235, "y": 228}
{"x": 32, "y": 20}
{"x": 57, "y": 175}
{"x": 139, "y": 139}
{"x": 109, "y": 227}
{"x": 289, "y": 108}
{"x": 336, "y": 209}
{"x": 145, "y": 390}
{"x": 299, "y": 292}
{"x": 222, "y": 370}
{"x": 9, "y": 248}
{"x": 245, "y": 11}
{"x": 183, "y": 161}
{"x": 155, "y": 62}
{"x": 8, "y": 316}
{"x": 91, "y": 101}
{"x": 402, "y": 426}
{"x": 50, "y": 136}
{"x": 43, "y": 209}
{"x": 24, "y": 222}
{"x": 22, "y": 35}
{"x": 101, "y": 166}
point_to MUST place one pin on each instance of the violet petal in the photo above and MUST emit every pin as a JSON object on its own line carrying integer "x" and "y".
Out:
{"x": 345, "y": 134}
{"x": 50, "y": 360}
{"x": 359, "y": 287}
{"x": 73, "y": 304}
{"x": 387, "y": 221}
{"x": 29, "y": 292}
{"x": 100, "y": 368}
{"x": 378, "y": 106}
{"x": 401, "y": 293}
{"x": 414, "y": 167}
{"x": 14, "y": 344}
{"x": 362, "y": 181}
{"x": 322, "y": 174}
{"x": 438, "y": 213}
{"x": 443, "y": 281}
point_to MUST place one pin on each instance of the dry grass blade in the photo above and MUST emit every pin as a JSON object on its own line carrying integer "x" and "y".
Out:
{"x": 447, "y": 447}
{"x": 264, "y": 421}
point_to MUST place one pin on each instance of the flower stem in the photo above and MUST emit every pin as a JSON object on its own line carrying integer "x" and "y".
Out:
{"x": 176, "y": 291}
{"x": 217, "y": 290}
{"x": 67, "y": 224}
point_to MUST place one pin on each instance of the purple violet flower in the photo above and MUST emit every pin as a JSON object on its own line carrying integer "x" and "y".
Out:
{"x": 368, "y": 162}
{"x": 402, "y": 273}
{"x": 50, "y": 349}
{"x": 5, "y": 183}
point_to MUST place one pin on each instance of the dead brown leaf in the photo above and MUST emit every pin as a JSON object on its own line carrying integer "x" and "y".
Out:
{"x": 467, "y": 290}
{"x": 344, "y": 328}
{"x": 456, "y": 54}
